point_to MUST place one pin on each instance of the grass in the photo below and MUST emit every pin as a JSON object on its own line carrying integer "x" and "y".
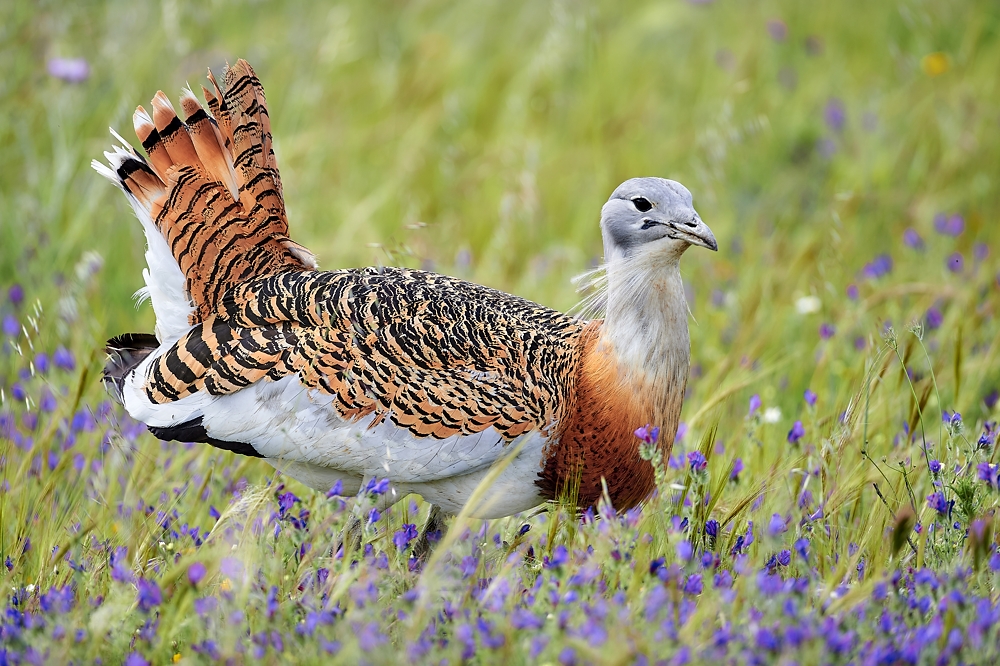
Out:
{"x": 834, "y": 150}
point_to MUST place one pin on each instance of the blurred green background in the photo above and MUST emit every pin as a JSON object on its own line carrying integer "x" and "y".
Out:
{"x": 481, "y": 138}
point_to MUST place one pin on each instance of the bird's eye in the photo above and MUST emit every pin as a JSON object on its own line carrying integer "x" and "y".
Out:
{"x": 641, "y": 205}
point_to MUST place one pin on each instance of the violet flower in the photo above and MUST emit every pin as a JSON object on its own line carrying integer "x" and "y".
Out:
{"x": 16, "y": 295}
{"x": 70, "y": 70}
{"x": 149, "y": 595}
{"x": 952, "y": 225}
{"x": 989, "y": 473}
{"x": 648, "y": 434}
{"x": 912, "y": 239}
{"x": 834, "y": 114}
{"x": 697, "y": 462}
{"x": 737, "y": 468}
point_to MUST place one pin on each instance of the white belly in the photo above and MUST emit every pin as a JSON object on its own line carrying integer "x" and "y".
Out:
{"x": 297, "y": 430}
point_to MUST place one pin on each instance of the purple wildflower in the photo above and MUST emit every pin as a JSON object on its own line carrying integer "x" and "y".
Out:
{"x": 693, "y": 586}
{"x": 955, "y": 262}
{"x": 952, "y": 225}
{"x": 42, "y": 363}
{"x": 877, "y": 267}
{"x": 70, "y": 70}
{"x": 403, "y": 537}
{"x": 697, "y": 461}
{"x": 63, "y": 359}
{"x": 149, "y": 595}
{"x": 205, "y": 605}
{"x": 777, "y": 526}
{"x": 912, "y": 239}
{"x": 676, "y": 461}
{"x": 684, "y": 550}
{"x": 980, "y": 251}
{"x": 47, "y": 402}
{"x": 374, "y": 515}
{"x": 648, "y": 434}
{"x": 989, "y": 473}
{"x": 785, "y": 558}
{"x": 796, "y": 433}
{"x": 377, "y": 487}
{"x": 951, "y": 418}
{"x": 852, "y": 292}
{"x": 995, "y": 561}
{"x": 834, "y": 114}
{"x": 935, "y": 466}
{"x": 826, "y": 331}
{"x": 754, "y": 403}
{"x": 810, "y": 397}
{"x": 11, "y": 327}
{"x": 737, "y": 468}
{"x": 119, "y": 570}
{"x": 712, "y": 527}
{"x": 230, "y": 567}
{"x": 16, "y": 295}
{"x": 135, "y": 659}
{"x": 802, "y": 548}
{"x": 768, "y": 640}
{"x": 991, "y": 399}
{"x": 522, "y": 618}
{"x": 777, "y": 29}
{"x": 937, "y": 502}
{"x": 934, "y": 318}
{"x": 560, "y": 556}
{"x": 196, "y": 572}
{"x": 989, "y": 436}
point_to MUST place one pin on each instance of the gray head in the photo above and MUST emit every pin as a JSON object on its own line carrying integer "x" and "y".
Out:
{"x": 652, "y": 214}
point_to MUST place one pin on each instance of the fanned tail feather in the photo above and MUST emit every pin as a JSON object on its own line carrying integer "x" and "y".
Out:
{"x": 209, "y": 197}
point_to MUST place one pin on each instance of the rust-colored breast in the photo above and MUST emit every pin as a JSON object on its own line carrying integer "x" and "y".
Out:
{"x": 598, "y": 437}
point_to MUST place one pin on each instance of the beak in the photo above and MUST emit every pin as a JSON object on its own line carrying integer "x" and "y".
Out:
{"x": 706, "y": 237}
{"x": 697, "y": 234}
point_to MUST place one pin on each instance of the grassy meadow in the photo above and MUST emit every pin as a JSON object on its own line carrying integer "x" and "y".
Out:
{"x": 832, "y": 497}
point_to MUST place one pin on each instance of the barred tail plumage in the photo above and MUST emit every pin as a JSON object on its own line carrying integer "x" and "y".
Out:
{"x": 209, "y": 198}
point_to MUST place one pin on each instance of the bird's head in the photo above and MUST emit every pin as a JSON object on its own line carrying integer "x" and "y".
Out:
{"x": 652, "y": 216}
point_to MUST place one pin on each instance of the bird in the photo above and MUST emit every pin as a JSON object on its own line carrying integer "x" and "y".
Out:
{"x": 338, "y": 378}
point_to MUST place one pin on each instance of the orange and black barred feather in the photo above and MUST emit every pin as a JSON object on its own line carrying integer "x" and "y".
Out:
{"x": 435, "y": 355}
{"x": 219, "y": 203}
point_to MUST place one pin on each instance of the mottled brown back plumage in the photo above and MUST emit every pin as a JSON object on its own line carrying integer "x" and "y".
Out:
{"x": 432, "y": 354}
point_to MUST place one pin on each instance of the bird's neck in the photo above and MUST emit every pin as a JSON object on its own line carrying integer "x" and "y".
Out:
{"x": 645, "y": 330}
{"x": 633, "y": 371}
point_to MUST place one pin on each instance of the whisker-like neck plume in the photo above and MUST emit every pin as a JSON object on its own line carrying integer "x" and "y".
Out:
{"x": 646, "y": 329}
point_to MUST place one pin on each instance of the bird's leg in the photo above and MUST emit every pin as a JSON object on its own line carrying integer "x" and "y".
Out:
{"x": 430, "y": 535}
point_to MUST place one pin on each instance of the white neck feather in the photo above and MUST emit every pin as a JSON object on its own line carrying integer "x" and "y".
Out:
{"x": 646, "y": 317}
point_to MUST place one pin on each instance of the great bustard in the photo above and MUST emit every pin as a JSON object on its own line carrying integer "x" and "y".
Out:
{"x": 347, "y": 375}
